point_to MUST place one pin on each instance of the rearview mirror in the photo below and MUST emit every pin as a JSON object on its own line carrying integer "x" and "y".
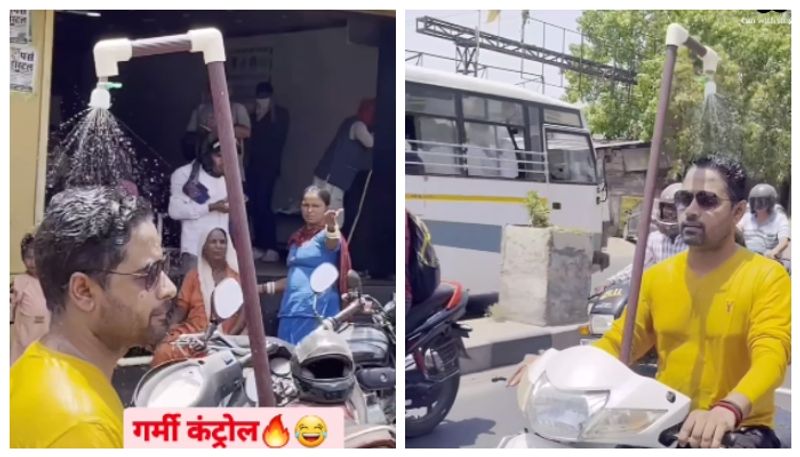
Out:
{"x": 323, "y": 277}
{"x": 227, "y": 298}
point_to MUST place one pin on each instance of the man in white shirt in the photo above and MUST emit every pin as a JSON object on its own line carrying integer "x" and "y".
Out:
{"x": 766, "y": 230}
{"x": 199, "y": 199}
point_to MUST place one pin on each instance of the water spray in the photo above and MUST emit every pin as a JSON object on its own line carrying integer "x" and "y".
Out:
{"x": 107, "y": 56}
{"x": 677, "y": 36}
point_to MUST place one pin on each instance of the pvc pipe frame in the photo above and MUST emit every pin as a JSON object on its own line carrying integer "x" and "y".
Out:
{"x": 649, "y": 194}
{"x": 676, "y": 36}
{"x": 209, "y": 41}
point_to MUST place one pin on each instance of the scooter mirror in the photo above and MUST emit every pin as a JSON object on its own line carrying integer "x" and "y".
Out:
{"x": 227, "y": 298}
{"x": 323, "y": 277}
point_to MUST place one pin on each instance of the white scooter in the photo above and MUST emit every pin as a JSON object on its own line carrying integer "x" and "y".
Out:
{"x": 584, "y": 397}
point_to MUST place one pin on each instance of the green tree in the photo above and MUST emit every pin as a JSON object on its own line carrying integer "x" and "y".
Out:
{"x": 750, "y": 116}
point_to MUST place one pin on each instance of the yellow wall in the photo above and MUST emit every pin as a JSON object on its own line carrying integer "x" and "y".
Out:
{"x": 29, "y": 119}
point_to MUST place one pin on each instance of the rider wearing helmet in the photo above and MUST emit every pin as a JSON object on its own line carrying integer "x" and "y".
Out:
{"x": 766, "y": 230}
{"x": 665, "y": 242}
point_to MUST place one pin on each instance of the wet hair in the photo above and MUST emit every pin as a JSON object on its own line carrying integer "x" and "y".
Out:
{"x": 26, "y": 244}
{"x": 732, "y": 172}
{"x": 323, "y": 194}
{"x": 85, "y": 229}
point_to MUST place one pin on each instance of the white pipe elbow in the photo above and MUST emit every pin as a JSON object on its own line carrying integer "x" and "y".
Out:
{"x": 676, "y": 35}
{"x": 108, "y": 53}
{"x": 710, "y": 61}
{"x": 209, "y": 42}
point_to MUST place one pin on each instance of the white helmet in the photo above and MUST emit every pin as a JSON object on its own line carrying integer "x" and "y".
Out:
{"x": 668, "y": 226}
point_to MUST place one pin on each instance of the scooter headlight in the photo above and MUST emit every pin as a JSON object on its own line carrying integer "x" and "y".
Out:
{"x": 600, "y": 323}
{"x": 613, "y": 422}
{"x": 559, "y": 414}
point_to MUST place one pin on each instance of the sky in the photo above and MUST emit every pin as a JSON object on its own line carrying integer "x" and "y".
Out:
{"x": 508, "y": 25}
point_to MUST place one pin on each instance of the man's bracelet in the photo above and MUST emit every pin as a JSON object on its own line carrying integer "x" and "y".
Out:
{"x": 732, "y": 407}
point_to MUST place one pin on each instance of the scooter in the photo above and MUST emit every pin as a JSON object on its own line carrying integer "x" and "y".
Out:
{"x": 434, "y": 342}
{"x": 584, "y": 397}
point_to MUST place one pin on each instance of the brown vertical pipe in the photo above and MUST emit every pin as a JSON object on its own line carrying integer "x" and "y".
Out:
{"x": 241, "y": 232}
{"x": 647, "y": 203}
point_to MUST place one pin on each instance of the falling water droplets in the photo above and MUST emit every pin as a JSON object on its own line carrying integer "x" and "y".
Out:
{"x": 93, "y": 147}
{"x": 720, "y": 130}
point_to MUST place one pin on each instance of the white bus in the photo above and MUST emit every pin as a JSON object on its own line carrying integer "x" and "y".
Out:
{"x": 474, "y": 149}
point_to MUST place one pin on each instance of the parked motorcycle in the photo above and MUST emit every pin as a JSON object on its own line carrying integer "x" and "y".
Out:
{"x": 371, "y": 338}
{"x": 434, "y": 342}
{"x": 584, "y": 397}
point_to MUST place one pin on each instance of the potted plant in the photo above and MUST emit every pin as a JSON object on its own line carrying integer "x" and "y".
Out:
{"x": 545, "y": 274}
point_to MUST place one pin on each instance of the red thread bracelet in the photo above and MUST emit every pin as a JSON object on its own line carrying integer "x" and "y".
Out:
{"x": 737, "y": 413}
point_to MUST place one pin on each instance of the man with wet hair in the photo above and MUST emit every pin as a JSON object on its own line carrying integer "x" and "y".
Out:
{"x": 101, "y": 266}
{"x": 718, "y": 315}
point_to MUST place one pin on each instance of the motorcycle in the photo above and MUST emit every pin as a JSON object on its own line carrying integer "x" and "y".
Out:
{"x": 584, "y": 397}
{"x": 434, "y": 342}
{"x": 371, "y": 338}
{"x": 368, "y": 332}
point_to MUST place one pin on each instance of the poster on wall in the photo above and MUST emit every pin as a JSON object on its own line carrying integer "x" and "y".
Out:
{"x": 245, "y": 68}
{"x": 20, "y": 26}
{"x": 23, "y": 68}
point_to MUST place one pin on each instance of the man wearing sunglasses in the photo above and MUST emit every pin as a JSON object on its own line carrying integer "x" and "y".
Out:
{"x": 718, "y": 315}
{"x": 766, "y": 230}
{"x": 101, "y": 267}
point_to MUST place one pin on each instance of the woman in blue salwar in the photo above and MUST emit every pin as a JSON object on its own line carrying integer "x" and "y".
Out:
{"x": 318, "y": 241}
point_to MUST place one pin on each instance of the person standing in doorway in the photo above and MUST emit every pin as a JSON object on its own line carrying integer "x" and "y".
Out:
{"x": 270, "y": 126}
{"x": 348, "y": 154}
{"x": 199, "y": 200}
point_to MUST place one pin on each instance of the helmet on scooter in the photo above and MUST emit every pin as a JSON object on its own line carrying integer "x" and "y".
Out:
{"x": 666, "y": 215}
{"x": 323, "y": 368}
{"x": 762, "y": 196}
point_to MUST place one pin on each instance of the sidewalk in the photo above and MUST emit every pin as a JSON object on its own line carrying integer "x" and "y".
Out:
{"x": 494, "y": 344}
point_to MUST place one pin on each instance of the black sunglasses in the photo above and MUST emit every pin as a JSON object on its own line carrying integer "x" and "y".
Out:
{"x": 705, "y": 199}
{"x": 151, "y": 273}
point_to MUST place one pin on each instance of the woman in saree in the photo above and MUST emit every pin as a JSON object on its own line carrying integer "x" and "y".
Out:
{"x": 318, "y": 241}
{"x": 193, "y": 308}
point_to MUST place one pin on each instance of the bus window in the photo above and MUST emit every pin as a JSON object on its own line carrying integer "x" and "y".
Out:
{"x": 492, "y": 110}
{"x": 437, "y": 145}
{"x": 569, "y": 157}
{"x": 492, "y": 149}
{"x": 561, "y": 117}
{"x": 435, "y": 101}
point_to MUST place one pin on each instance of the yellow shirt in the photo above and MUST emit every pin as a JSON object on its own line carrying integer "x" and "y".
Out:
{"x": 60, "y": 401}
{"x": 729, "y": 331}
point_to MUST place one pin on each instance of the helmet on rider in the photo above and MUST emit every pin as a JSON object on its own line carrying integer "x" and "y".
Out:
{"x": 762, "y": 196}
{"x": 666, "y": 215}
